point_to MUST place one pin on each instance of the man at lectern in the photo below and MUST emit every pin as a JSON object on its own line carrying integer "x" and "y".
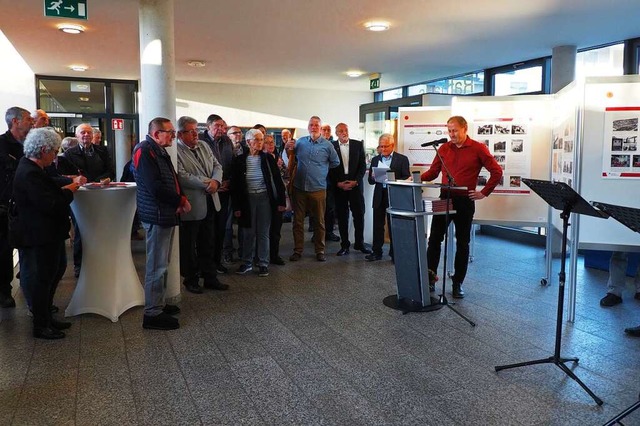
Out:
{"x": 462, "y": 158}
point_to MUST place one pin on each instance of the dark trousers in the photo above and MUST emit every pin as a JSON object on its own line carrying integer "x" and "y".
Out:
{"x": 220, "y": 226}
{"x": 462, "y": 220}
{"x": 6, "y": 258}
{"x": 274, "y": 234}
{"x": 77, "y": 244}
{"x": 350, "y": 200}
{"x": 329, "y": 211}
{"x": 379, "y": 217}
{"x": 196, "y": 247}
{"x": 39, "y": 276}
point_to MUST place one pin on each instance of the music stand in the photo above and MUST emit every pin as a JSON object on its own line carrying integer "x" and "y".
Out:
{"x": 629, "y": 217}
{"x": 561, "y": 197}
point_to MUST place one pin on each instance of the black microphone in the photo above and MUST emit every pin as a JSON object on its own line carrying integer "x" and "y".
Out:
{"x": 435, "y": 143}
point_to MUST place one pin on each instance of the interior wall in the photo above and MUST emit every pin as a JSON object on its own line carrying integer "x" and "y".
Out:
{"x": 17, "y": 81}
{"x": 245, "y": 105}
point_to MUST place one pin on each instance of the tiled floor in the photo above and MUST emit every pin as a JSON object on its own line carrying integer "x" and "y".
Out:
{"x": 313, "y": 344}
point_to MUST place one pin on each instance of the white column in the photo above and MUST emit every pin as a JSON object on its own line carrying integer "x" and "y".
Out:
{"x": 563, "y": 66}
{"x": 158, "y": 92}
{"x": 122, "y": 102}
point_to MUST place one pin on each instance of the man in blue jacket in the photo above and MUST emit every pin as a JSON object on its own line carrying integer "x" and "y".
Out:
{"x": 160, "y": 202}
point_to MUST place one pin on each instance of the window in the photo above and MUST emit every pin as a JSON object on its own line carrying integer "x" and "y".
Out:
{"x": 517, "y": 81}
{"x": 602, "y": 61}
{"x": 388, "y": 95}
{"x": 462, "y": 85}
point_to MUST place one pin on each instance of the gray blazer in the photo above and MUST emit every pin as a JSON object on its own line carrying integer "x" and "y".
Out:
{"x": 194, "y": 174}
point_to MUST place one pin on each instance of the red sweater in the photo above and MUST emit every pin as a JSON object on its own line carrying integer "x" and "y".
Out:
{"x": 465, "y": 164}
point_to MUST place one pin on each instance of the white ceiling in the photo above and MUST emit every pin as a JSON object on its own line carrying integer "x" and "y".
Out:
{"x": 310, "y": 43}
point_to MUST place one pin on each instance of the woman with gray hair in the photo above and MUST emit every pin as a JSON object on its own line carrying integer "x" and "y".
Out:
{"x": 256, "y": 190}
{"x": 40, "y": 228}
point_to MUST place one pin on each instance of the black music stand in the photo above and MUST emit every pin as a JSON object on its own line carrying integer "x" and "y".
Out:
{"x": 629, "y": 217}
{"x": 562, "y": 197}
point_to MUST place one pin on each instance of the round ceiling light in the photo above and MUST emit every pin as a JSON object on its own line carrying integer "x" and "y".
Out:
{"x": 377, "y": 26}
{"x": 71, "y": 29}
{"x": 354, "y": 73}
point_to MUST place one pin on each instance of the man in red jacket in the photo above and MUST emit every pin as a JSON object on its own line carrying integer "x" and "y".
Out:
{"x": 463, "y": 158}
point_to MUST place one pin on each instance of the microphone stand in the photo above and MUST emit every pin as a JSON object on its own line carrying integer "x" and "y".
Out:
{"x": 442, "y": 300}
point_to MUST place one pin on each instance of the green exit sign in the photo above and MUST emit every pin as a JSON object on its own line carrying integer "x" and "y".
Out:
{"x": 73, "y": 9}
{"x": 374, "y": 83}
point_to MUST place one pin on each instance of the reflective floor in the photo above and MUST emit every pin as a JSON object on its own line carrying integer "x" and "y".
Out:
{"x": 313, "y": 344}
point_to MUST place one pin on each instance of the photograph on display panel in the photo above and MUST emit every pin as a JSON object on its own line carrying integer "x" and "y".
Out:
{"x": 620, "y": 143}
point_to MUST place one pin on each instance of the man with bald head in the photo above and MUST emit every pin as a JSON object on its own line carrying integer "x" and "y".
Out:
{"x": 94, "y": 163}
{"x": 40, "y": 119}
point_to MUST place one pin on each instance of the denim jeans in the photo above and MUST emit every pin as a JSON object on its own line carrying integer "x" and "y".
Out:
{"x": 159, "y": 239}
{"x": 258, "y": 234}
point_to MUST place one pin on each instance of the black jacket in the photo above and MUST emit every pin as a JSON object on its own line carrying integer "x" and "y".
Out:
{"x": 357, "y": 164}
{"x": 78, "y": 165}
{"x": 11, "y": 152}
{"x": 399, "y": 165}
{"x": 272, "y": 179}
{"x": 42, "y": 207}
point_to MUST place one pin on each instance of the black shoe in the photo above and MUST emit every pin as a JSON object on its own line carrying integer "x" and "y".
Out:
{"x": 171, "y": 309}
{"x": 54, "y": 309}
{"x": 373, "y": 257}
{"x": 214, "y": 284}
{"x": 342, "y": 252}
{"x": 193, "y": 286}
{"x": 7, "y": 301}
{"x": 160, "y": 322}
{"x": 458, "y": 291}
{"x": 277, "y": 261}
{"x": 362, "y": 248}
{"x": 610, "y": 300}
{"x": 330, "y": 236}
{"x": 222, "y": 269}
{"x": 60, "y": 325}
{"x": 263, "y": 271}
{"x": 633, "y": 331}
{"x": 48, "y": 333}
{"x": 637, "y": 296}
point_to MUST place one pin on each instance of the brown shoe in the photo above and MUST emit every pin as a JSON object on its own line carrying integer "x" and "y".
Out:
{"x": 295, "y": 257}
{"x": 320, "y": 257}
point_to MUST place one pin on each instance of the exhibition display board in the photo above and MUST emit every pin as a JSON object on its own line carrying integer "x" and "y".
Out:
{"x": 609, "y": 169}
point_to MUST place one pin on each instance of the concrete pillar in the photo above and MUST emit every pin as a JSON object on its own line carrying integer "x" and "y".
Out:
{"x": 122, "y": 101}
{"x": 158, "y": 92}
{"x": 563, "y": 67}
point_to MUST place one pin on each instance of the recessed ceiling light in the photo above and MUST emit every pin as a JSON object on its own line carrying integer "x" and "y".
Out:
{"x": 83, "y": 99}
{"x": 196, "y": 63}
{"x": 354, "y": 74}
{"x": 377, "y": 26}
{"x": 71, "y": 28}
{"x": 78, "y": 68}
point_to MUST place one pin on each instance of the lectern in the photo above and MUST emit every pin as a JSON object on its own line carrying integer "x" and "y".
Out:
{"x": 407, "y": 213}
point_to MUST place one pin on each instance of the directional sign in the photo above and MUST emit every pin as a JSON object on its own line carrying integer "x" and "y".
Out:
{"x": 74, "y": 9}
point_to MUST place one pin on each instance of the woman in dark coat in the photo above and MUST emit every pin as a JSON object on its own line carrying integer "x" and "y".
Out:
{"x": 256, "y": 190}
{"x": 41, "y": 227}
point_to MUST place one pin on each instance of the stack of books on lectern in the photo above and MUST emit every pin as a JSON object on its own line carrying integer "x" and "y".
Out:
{"x": 436, "y": 205}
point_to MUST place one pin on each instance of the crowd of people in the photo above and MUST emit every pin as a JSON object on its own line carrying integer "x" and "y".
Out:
{"x": 223, "y": 177}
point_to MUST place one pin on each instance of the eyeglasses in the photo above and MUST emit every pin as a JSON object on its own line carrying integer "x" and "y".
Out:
{"x": 234, "y": 133}
{"x": 173, "y": 132}
{"x": 192, "y": 131}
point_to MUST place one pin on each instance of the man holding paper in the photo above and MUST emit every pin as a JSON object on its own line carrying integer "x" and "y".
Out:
{"x": 387, "y": 160}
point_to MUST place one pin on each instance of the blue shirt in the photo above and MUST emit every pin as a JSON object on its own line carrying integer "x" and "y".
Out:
{"x": 314, "y": 160}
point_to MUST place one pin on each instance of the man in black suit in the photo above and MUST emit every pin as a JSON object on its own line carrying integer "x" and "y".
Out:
{"x": 399, "y": 164}
{"x": 94, "y": 163}
{"x": 346, "y": 180}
